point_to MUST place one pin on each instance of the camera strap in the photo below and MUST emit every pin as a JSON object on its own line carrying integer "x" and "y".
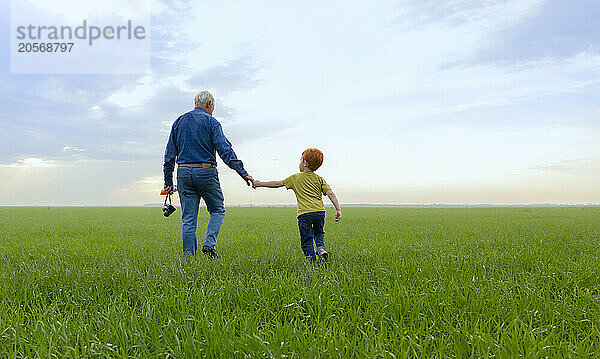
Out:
{"x": 168, "y": 197}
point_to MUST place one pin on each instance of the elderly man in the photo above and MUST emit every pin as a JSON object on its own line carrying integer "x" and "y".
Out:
{"x": 194, "y": 138}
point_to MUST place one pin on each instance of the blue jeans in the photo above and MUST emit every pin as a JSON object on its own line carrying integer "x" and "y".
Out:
{"x": 193, "y": 184}
{"x": 311, "y": 227}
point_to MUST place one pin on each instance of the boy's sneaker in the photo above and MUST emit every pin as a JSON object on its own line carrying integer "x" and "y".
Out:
{"x": 322, "y": 253}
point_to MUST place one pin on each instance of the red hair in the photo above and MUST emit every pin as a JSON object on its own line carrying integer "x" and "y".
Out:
{"x": 313, "y": 157}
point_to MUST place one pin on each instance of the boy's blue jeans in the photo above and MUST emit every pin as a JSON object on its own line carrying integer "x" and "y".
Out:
{"x": 311, "y": 227}
{"x": 193, "y": 184}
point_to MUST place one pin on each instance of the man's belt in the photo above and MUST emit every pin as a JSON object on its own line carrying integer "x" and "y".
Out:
{"x": 197, "y": 165}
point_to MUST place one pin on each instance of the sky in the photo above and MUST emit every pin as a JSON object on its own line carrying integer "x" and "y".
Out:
{"x": 411, "y": 102}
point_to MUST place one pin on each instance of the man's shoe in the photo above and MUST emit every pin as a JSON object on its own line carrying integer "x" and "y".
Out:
{"x": 322, "y": 253}
{"x": 210, "y": 252}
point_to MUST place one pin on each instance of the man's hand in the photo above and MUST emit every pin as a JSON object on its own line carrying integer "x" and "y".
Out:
{"x": 169, "y": 189}
{"x": 338, "y": 216}
{"x": 249, "y": 180}
{"x": 256, "y": 183}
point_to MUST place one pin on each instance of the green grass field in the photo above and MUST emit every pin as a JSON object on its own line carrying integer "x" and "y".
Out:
{"x": 111, "y": 282}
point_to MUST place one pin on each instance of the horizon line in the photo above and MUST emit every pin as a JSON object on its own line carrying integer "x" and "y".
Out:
{"x": 351, "y": 205}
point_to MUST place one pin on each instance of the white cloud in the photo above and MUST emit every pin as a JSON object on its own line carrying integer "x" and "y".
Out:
{"x": 34, "y": 162}
{"x": 133, "y": 95}
{"x": 72, "y": 149}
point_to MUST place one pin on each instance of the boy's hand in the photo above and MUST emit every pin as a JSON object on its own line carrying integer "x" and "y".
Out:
{"x": 338, "y": 216}
{"x": 256, "y": 183}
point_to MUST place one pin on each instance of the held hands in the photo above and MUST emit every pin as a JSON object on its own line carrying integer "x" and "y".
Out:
{"x": 250, "y": 181}
{"x": 338, "y": 216}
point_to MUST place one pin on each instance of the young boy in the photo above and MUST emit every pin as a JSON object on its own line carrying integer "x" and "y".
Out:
{"x": 309, "y": 189}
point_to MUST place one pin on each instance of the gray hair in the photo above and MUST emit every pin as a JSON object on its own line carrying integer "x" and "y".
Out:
{"x": 204, "y": 99}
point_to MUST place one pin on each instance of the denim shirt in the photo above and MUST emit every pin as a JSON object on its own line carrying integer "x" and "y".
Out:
{"x": 195, "y": 137}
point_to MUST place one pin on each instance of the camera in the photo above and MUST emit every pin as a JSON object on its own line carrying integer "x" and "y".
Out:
{"x": 168, "y": 208}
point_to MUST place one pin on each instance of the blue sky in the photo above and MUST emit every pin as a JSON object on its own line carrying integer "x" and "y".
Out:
{"x": 411, "y": 102}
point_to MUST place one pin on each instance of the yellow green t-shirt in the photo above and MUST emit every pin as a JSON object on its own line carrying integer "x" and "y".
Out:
{"x": 309, "y": 188}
